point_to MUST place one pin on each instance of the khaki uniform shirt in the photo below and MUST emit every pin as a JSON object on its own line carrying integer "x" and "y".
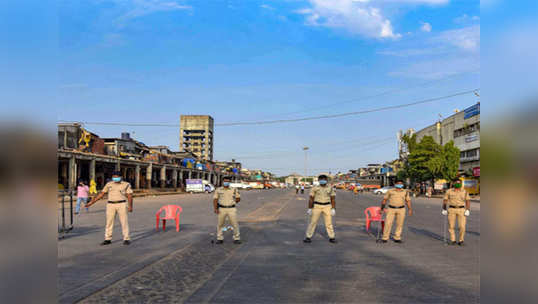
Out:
{"x": 397, "y": 198}
{"x": 225, "y": 196}
{"x": 322, "y": 194}
{"x": 117, "y": 191}
{"x": 456, "y": 198}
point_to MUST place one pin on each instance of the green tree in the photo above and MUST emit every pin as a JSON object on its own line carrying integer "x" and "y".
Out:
{"x": 429, "y": 160}
{"x": 451, "y": 165}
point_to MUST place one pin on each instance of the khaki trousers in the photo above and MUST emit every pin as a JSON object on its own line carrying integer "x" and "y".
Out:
{"x": 231, "y": 213}
{"x": 121, "y": 210}
{"x": 317, "y": 211}
{"x": 392, "y": 213}
{"x": 458, "y": 213}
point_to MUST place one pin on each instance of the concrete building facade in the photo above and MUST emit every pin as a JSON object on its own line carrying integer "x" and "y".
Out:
{"x": 464, "y": 129}
{"x": 83, "y": 155}
{"x": 196, "y": 135}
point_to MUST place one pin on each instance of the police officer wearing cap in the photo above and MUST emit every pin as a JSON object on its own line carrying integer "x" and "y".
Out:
{"x": 224, "y": 204}
{"x": 119, "y": 194}
{"x": 322, "y": 202}
{"x": 397, "y": 199}
{"x": 458, "y": 201}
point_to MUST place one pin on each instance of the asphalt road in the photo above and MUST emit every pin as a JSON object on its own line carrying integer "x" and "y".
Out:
{"x": 272, "y": 265}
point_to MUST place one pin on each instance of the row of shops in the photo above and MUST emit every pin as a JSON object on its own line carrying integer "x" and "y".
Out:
{"x": 83, "y": 155}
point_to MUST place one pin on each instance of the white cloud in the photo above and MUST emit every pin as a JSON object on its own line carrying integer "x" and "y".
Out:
{"x": 426, "y": 27}
{"x": 449, "y": 53}
{"x": 266, "y": 6}
{"x": 467, "y": 38}
{"x": 366, "y": 18}
{"x": 356, "y": 17}
{"x": 463, "y": 41}
{"x": 439, "y": 68}
{"x": 413, "y": 52}
{"x": 139, "y": 8}
{"x": 430, "y": 2}
{"x": 466, "y": 19}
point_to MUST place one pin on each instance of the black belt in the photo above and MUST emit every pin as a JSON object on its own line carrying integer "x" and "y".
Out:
{"x": 457, "y": 207}
{"x": 116, "y": 202}
{"x": 396, "y": 207}
{"x": 221, "y": 206}
{"x": 318, "y": 203}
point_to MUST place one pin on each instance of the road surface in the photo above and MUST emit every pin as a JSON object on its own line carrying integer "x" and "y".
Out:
{"x": 272, "y": 265}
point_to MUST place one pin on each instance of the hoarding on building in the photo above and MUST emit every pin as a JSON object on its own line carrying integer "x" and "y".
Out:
{"x": 471, "y": 111}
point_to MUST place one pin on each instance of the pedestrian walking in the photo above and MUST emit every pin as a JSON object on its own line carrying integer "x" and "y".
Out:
{"x": 322, "y": 202}
{"x": 82, "y": 195}
{"x": 302, "y": 189}
{"x": 397, "y": 199}
{"x": 224, "y": 205}
{"x": 297, "y": 189}
{"x": 120, "y": 201}
{"x": 458, "y": 202}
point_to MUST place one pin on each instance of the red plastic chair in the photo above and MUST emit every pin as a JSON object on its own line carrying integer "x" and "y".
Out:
{"x": 171, "y": 212}
{"x": 374, "y": 214}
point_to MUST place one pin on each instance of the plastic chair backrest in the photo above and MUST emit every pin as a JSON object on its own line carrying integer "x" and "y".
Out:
{"x": 373, "y": 213}
{"x": 170, "y": 211}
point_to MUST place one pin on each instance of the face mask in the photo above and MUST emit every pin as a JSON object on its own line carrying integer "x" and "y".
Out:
{"x": 323, "y": 182}
{"x": 399, "y": 186}
{"x": 226, "y": 184}
{"x": 458, "y": 185}
{"x": 116, "y": 179}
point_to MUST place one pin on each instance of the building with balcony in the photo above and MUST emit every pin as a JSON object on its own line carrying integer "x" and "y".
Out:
{"x": 196, "y": 135}
{"x": 463, "y": 128}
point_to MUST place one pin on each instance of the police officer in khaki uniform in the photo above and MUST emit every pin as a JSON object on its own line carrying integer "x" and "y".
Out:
{"x": 322, "y": 201}
{"x": 397, "y": 199}
{"x": 119, "y": 193}
{"x": 224, "y": 202}
{"x": 458, "y": 202}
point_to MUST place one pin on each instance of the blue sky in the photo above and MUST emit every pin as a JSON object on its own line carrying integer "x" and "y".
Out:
{"x": 153, "y": 60}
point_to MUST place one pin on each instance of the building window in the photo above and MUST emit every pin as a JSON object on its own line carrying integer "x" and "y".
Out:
{"x": 467, "y": 130}
{"x": 469, "y": 153}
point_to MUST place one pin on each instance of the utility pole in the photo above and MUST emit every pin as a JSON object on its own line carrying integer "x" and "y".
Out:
{"x": 305, "y": 159}
{"x": 439, "y": 131}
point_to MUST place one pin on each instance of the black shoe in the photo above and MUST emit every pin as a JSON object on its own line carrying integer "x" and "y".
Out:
{"x": 106, "y": 242}
{"x": 452, "y": 243}
{"x": 461, "y": 244}
{"x": 332, "y": 240}
{"x": 381, "y": 241}
{"x": 126, "y": 242}
{"x": 219, "y": 242}
{"x": 237, "y": 242}
{"x": 307, "y": 240}
{"x": 397, "y": 241}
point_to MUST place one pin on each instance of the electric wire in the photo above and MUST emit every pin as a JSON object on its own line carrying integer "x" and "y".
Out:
{"x": 278, "y": 121}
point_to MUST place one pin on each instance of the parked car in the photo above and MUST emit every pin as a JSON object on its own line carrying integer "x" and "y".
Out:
{"x": 383, "y": 190}
{"x": 256, "y": 185}
{"x": 236, "y": 185}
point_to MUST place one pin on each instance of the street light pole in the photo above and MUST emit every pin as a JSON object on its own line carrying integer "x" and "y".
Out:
{"x": 305, "y": 159}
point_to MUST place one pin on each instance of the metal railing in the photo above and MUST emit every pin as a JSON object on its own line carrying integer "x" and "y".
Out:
{"x": 66, "y": 206}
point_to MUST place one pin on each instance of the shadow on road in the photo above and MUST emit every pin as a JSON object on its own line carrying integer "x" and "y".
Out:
{"x": 279, "y": 268}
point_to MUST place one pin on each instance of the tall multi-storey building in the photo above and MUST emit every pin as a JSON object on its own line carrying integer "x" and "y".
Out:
{"x": 464, "y": 129}
{"x": 196, "y": 135}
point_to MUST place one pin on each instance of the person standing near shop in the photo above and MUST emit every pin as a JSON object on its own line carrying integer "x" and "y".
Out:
{"x": 82, "y": 195}
{"x": 120, "y": 201}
